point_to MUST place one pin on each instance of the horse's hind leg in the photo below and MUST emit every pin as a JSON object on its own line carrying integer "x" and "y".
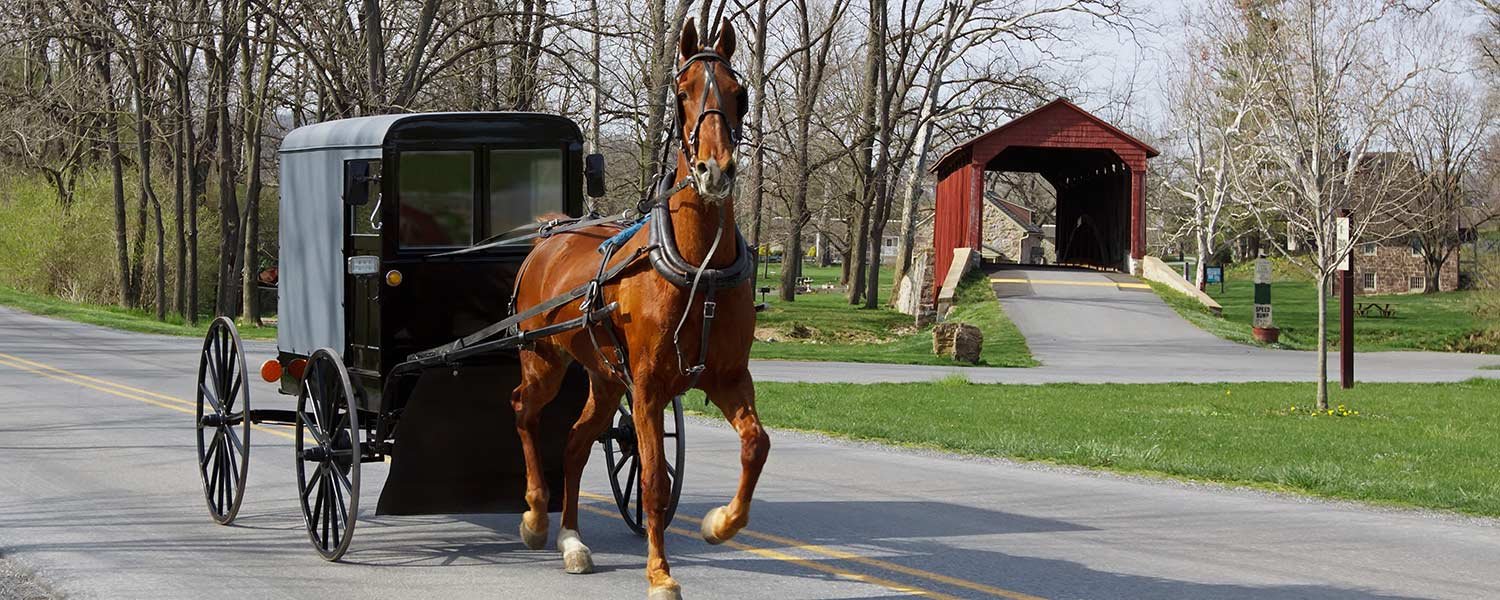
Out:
{"x": 736, "y": 399}
{"x": 604, "y": 399}
{"x": 542, "y": 371}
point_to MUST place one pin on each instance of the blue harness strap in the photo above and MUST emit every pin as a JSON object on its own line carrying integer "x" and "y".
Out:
{"x": 624, "y": 235}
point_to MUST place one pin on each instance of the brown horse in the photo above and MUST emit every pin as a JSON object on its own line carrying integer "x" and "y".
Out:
{"x": 711, "y": 105}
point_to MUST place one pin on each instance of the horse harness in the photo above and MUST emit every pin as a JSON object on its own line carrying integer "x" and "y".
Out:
{"x": 661, "y": 249}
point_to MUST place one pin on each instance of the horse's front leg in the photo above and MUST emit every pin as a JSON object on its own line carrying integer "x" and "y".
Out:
{"x": 541, "y": 376}
{"x": 736, "y": 399}
{"x": 604, "y": 400}
{"x": 655, "y": 489}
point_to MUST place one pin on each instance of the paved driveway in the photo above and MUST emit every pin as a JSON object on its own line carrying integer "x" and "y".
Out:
{"x": 1088, "y": 326}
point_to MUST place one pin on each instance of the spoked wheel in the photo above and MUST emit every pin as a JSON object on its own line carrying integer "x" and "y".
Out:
{"x": 328, "y": 453}
{"x": 622, "y": 456}
{"x": 223, "y": 431}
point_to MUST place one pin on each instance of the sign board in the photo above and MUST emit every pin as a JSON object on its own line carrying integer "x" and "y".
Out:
{"x": 1343, "y": 243}
{"x": 1263, "y": 316}
{"x": 1262, "y": 271}
{"x": 1213, "y": 274}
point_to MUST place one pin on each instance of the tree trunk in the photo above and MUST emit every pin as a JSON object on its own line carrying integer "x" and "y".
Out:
{"x": 870, "y": 96}
{"x": 374, "y": 55}
{"x": 1203, "y": 255}
{"x": 144, "y": 139}
{"x": 179, "y": 193}
{"x": 257, "y": 107}
{"x": 117, "y": 180}
{"x": 229, "y": 212}
{"x": 880, "y": 202}
{"x": 1322, "y": 399}
{"x": 758, "y": 153}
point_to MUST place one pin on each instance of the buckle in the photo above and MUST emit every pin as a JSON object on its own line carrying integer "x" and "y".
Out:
{"x": 710, "y": 309}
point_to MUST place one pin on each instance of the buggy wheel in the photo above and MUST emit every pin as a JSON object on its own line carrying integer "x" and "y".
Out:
{"x": 328, "y": 454}
{"x": 223, "y": 400}
{"x": 622, "y": 457}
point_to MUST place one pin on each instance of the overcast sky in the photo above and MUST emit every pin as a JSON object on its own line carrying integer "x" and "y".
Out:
{"x": 1132, "y": 67}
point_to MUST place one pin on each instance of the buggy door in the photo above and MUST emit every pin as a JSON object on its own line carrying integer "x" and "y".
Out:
{"x": 362, "y": 283}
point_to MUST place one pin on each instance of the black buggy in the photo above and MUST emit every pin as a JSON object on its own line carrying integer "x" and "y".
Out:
{"x": 393, "y": 341}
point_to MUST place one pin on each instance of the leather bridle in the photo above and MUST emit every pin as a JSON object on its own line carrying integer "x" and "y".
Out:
{"x": 711, "y": 63}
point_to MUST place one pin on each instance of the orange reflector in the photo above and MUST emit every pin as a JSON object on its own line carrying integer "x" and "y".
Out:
{"x": 393, "y": 278}
{"x": 298, "y": 367}
{"x": 271, "y": 371}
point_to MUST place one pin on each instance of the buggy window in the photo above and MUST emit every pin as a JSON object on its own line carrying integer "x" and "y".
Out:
{"x": 437, "y": 198}
{"x": 524, "y": 183}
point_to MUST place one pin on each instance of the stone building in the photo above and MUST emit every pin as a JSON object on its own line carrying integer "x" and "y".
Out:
{"x": 1010, "y": 233}
{"x": 1397, "y": 268}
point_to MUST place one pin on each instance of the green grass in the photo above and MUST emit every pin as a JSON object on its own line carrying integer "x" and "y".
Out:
{"x": 1444, "y": 322}
{"x": 1425, "y": 445}
{"x": 823, "y": 326}
{"x": 116, "y": 317}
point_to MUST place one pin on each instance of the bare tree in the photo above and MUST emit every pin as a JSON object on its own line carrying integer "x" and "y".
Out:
{"x": 1333, "y": 86}
{"x": 1211, "y": 115}
{"x": 809, "y": 59}
{"x": 1443, "y": 134}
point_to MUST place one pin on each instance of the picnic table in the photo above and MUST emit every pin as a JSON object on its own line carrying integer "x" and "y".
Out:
{"x": 1375, "y": 309}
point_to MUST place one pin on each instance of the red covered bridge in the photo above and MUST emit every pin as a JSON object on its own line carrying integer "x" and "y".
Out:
{"x": 1098, "y": 171}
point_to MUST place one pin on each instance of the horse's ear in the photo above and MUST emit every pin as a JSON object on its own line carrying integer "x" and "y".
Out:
{"x": 725, "y": 45}
{"x": 689, "y": 45}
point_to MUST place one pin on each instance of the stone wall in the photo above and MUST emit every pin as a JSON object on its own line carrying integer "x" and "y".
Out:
{"x": 914, "y": 294}
{"x": 1394, "y": 266}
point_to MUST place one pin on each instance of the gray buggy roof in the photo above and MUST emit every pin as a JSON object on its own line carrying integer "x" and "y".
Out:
{"x": 358, "y": 132}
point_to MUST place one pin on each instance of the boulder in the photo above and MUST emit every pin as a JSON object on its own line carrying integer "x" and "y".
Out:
{"x": 957, "y": 341}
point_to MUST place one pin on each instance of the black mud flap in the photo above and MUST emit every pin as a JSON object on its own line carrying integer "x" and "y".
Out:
{"x": 456, "y": 448}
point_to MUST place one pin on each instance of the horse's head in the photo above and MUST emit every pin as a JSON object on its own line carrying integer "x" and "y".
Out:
{"x": 711, "y": 107}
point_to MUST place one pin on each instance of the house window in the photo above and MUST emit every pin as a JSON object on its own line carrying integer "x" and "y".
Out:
{"x": 1417, "y": 283}
{"x": 1416, "y": 247}
{"x": 1367, "y": 248}
{"x": 1369, "y": 282}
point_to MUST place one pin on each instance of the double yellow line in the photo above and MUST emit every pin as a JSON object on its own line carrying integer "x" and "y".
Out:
{"x": 180, "y": 405}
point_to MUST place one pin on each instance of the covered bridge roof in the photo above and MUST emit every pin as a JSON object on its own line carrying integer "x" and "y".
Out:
{"x": 1056, "y": 124}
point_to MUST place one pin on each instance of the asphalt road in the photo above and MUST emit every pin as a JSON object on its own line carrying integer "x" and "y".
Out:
{"x": 99, "y": 496}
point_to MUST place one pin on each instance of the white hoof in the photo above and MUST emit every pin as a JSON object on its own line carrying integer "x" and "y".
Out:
{"x": 534, "y": 539}
{"x": 710, "y": 523}
{"x": 576, "y": 557}
{"x": 665, "y": 593}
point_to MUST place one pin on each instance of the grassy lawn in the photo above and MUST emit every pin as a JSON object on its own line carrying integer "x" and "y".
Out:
{"x": 1427, "y": 445}
{"x": 116, "y": 317}
{"x": 823, "y": 326}
{"x": 1441, "y": 322}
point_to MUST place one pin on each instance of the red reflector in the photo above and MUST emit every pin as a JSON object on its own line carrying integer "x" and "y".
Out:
{"x": 298, "y": 367}
{"x": 271, "y": 371}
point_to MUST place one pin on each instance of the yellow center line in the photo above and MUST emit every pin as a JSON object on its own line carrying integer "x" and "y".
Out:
{"x": 1114, "y": 284}
{"x": 117, "y": 389}
{"x": 185, "y": 406}
{"x": 812, "y": 565}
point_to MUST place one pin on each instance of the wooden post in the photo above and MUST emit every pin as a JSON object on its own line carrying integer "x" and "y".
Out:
{"x": 1346, "y": 306}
